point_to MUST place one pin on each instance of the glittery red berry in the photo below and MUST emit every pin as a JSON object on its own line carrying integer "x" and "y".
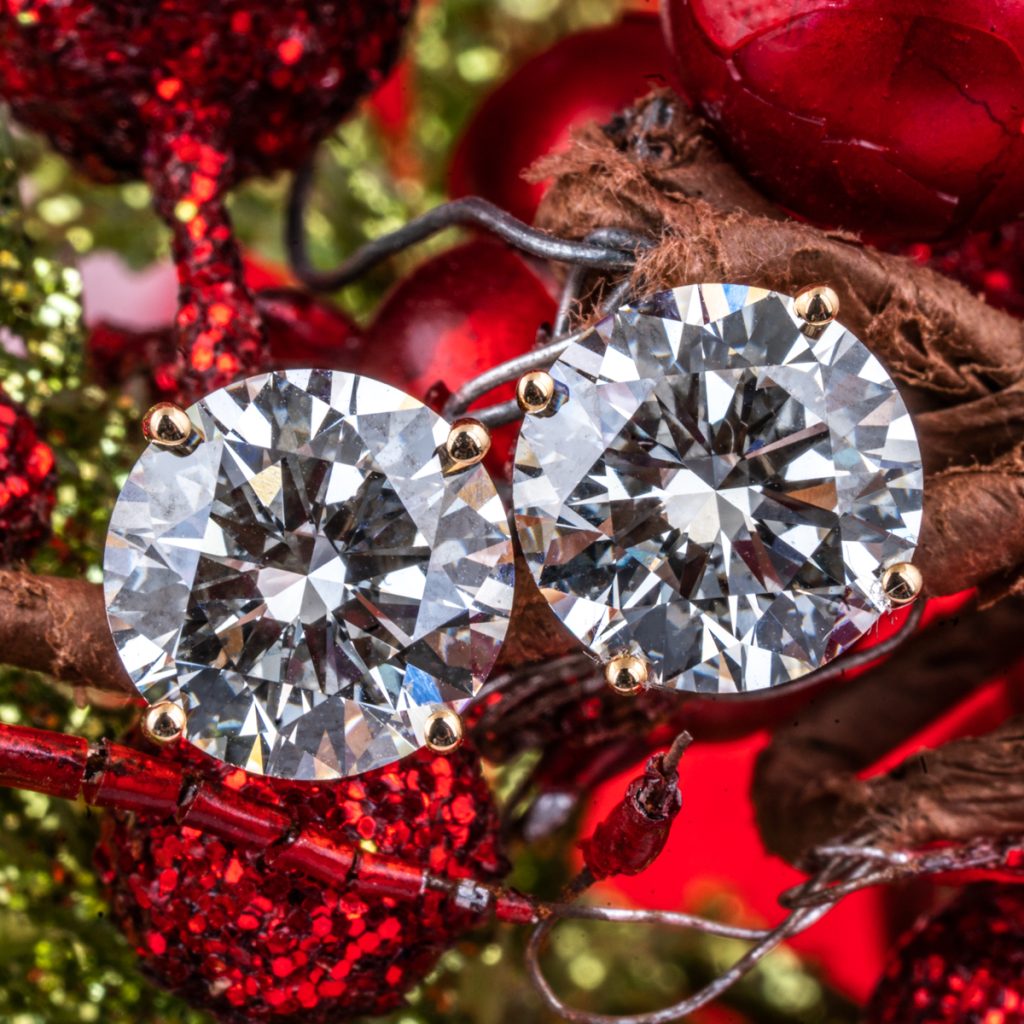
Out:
{"x": 251, "y": 943}
{"x": 194, "y": 96}
{"x": 99, "y": 77}
{"x": 588, "y": 76}
{"x": 990, "y": 263}
{"x": 892, "y": 117}
{"x": 302, "y": 331}
{"x": 965, "y": 965}
{"x": 28, "y": 484}
{"x": 455, "y": 316}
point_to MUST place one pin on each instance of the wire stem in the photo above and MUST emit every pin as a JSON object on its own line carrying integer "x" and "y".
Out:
{"x": 614, "y": 250}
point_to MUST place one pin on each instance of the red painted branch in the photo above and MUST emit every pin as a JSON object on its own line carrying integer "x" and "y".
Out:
{"x": 113, "y": 776}
{"x": 45, "y": 762}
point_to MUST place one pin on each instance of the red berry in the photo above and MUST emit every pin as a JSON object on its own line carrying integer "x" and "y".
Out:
{"x": 892, "y": 117}
{"x": 589, "y": 76}
{"x": 965, "y": 965}
{"x": 455, "y": 316}
{"x": 28, "y": 484}
{"x": 305, "y": 332}
{"x": 97, "y": 75}
{"x": 990, "y": 263}
{"x": 251, "y": 943}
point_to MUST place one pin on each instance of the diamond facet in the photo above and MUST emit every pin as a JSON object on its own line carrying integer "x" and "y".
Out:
{"x": 720, "y": 490}
{"x": 308, "y": 582}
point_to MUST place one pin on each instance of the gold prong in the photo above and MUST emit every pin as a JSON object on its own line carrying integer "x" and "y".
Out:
{"x": 902, "y": 583}
{"x": 443, "y": 731}
{"x": 164, "y": 723}
{"x": 168, "y": 426}
{"x": 468, "y": 442}
{"x": 536, "y": 392}
{"x": 817, "y": 305}
{"x": 626, "y": 674}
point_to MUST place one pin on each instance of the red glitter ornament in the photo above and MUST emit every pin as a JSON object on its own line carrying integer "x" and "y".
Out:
{"x": 104, "y": 78}
{"x": 990, "y": 263}
{"x": 250, "y": 942}
{"x": 892, "y": 117}
{"x": 455, "y": 316}
{"x": 28, "y": 484}
{"x": 589, "y": 76}
{"x": 965, "y": 965}
{"x": 301, "y": 330}
{"x": 195, "y": 96}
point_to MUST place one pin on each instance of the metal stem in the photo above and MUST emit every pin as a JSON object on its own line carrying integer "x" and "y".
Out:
{"x": 766, "y": 940}
{"x": 513, "y": 369}
{"x": 617, "y": 251}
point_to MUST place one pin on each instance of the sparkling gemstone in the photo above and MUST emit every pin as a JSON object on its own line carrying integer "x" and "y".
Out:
{"x": 719, "y": 489}
{"x": 309, "y": 582}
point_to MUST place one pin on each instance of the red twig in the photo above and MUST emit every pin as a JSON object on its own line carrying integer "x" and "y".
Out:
{"x": 110, "y": 775}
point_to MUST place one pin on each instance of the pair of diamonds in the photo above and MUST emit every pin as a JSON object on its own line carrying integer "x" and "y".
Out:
{"x": 714, "y": 494}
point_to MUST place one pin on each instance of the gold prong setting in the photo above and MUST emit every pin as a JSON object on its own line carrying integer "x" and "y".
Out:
{"x": 817, "y": 306}
{"x": 168, "y": 426}
{"x": 538, "y": 394}
{"x": 443, "y": 731}
{"x": 164, "y": 723}
{"x": 627, "y": 674}
{"x": 902, "y": 584}
{"x": 467, "y": 444}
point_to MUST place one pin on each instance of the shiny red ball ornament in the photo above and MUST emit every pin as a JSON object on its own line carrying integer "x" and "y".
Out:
{"x": 251, "y": 943}
{"x": 896, "y": 118}
{"x": 589, "y": 76}
{"x": 965, "y": 965}
{"x": 28, "y": 484}
{"x": 456, "y": 315}
{"x": 302, "y": 332}
{"x": 104, "y": 78}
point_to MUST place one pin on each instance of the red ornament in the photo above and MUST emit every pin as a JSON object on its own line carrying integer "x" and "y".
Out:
{"x": 249, "y": 942}
{"x": 987, "y": 262}
{"x": 195, "y": 96}
{"x": 28, "y": 484}
{"x": 965, "y": 965}
{"x": 455, "y": 316}
{"x": 301, "y": 330}
{"x": 892, "y": 117}
{"x": 102, "y": 78}
{"x": 585, "y": 77}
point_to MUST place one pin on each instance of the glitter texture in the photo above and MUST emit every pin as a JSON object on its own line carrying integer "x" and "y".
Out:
{"x": 250, "y": 943}
{"x": 101, "y": 77}
{"x": 301, "y": 330}
{"x": 28, "y": 484}
{"x": 965, "y": 965}
{"x": 194, "y": 97}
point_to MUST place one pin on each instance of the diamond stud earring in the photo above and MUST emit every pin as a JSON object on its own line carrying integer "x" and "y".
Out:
{"x": 308, "y": 574}
{"x": 727, "y": 493}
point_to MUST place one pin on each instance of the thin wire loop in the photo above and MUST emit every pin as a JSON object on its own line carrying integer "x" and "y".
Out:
{"x": 765, "y": 941}
{"x": 616, "y": 249}
{"x": 513, "y": 369}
